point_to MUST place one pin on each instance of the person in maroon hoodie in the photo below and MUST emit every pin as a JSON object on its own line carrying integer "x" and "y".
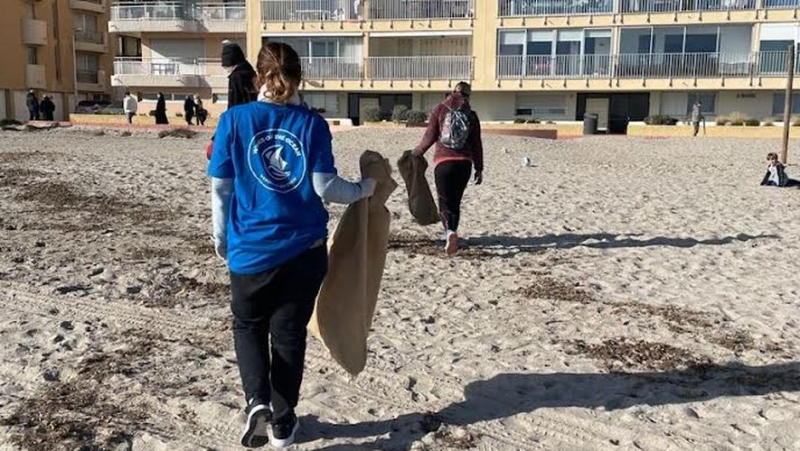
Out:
{"x": 456, "y": 131}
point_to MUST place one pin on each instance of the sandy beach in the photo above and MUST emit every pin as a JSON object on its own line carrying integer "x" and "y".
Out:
{"x": 618, "y": 294}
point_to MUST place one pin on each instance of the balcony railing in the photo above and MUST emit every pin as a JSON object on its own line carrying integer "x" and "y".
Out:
{"x": 333, "y": 68}
{"x": 662, "y": 66}
{"x": 308, "y": 10}
{"x": 560, "y": 66}
{"x": 88, "y": 76}
{"x": 421, "y": 9}
{"x": 673, "y": 6}
{"x": 779, "y": 4}
{"x": 89, "y": 36}
{"x": 420, "y": 68}
{"x": 171, "y": 10}
{"x": 340, "y": 10}
{"x": 517, "y": 8}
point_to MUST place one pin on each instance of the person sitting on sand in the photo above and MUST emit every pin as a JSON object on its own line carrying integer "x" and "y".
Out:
{"x": 456, "y": 131}
{"x": 776, "y": 174}
{"x": 271, "y": 168}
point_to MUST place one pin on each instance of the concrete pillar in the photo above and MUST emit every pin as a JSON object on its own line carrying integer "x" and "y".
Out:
{"x": 254, "y": 29}
{"x": 484, "y": 44}
{"x": 655, "y": 103}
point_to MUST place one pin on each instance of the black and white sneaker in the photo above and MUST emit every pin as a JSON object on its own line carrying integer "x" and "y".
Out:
{"x": 256, "y": 428}
{"x": 283, "y": 433}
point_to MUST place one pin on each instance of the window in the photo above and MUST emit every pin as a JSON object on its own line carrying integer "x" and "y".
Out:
{"x": 33, "y": 55}
{"x": 327, "y": 102}
{"x": 512, "y": 43}
{"x": 779, "y": 103}
{"x": 707, "y": 99}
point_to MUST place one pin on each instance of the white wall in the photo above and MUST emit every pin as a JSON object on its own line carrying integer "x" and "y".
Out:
{"x": 758, "y": 107}
{"x": 20, "y": 107}
{"x": 494, "y": 106}
{"x": 674, "y": 104}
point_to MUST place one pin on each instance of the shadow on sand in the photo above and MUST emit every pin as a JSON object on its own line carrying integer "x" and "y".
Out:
{"x": 506, "y": 395}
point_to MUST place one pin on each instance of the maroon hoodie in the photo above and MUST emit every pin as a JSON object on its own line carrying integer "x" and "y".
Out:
{"x": 473, "y": 148}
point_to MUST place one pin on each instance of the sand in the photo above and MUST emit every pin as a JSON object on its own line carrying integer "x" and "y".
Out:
{"x": 617, "y": 294}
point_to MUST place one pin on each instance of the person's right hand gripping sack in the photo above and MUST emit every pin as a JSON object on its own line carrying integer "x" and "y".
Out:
{"x": 420, "y": 200}
{"x": 346, "y": 302}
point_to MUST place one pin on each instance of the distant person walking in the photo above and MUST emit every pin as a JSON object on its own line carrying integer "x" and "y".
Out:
{"x": 200, "y": 112}
{"x": 188, "y": 109}
{"x": 161, "y": 110}
{"x": 32, "y": 102}
{"x": 129, "y": 106}
{"x": 48, "y": 109}
{"x": 456, "y": 131}
{"x": 697, "y": 116}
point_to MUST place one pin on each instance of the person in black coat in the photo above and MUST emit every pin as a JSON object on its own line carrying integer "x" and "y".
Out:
{"x": 161, "y": 110}
{"x": 48, "y": 108}
{"x": 241, "y": 78}
{"x": 32, "y": 102}
{"x": 188, "y": 109}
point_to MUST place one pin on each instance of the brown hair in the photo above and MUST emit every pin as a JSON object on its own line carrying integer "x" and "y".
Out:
{"x": 279, "y": 68}
{"x": 772, "y": 156}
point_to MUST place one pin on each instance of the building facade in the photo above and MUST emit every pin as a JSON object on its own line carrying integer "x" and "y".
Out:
{"x": 174, "y": 48}
{"x": 58, "y": 48}
{"x": 545, "y": 59}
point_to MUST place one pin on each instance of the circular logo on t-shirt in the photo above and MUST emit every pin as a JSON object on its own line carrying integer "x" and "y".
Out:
{"x": 277, "y": 160}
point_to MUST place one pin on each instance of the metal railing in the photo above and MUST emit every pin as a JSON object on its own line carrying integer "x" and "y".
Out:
{"x": 517, "y": 8}
{"x": 420, "y": 68}
{"x": 421, "y": 9}
{"x": 172, "y": 10}
{"x": 673, "y": 6}
{"x": 87, "y": 76}
{"x": 89, "y": 36}
{"x": 342, "y": 68}
{"x": 221, "y": 11}
{"x": 645, "y": 65}
{"x": 781, "y": 4}
{"x": 308, "y": 10}
{"x": 559, "y": 66}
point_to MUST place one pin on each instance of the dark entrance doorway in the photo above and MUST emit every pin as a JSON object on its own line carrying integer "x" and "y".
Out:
{"x": 635, "y": 106}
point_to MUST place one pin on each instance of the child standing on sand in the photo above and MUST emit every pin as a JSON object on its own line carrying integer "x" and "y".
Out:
{"x": 776, "y": 174}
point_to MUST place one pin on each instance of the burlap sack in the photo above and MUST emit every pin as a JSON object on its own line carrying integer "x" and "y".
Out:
{"x": 346, "y": 302}
{"x": 420, "y": 200}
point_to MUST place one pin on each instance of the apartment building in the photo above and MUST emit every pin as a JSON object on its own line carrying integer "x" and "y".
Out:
{"x": 546, "y": 59}
{"x": 174, "y": 48}
{"x": 58, "y": 48}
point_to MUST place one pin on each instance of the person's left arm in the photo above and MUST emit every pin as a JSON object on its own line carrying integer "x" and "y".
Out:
{"x": 222, "y": 173}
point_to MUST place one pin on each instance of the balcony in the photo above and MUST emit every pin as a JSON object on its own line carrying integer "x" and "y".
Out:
{"x": 342, "y": 10}
{"x": 90, "y": 41}
{"x": 679, "y": 6}
{"x": 781, "y": 4}
{"x": 420, "y": 68}
{"x": 421, "y": 9}
{"x": 342, "y": 68}
{"x": 97, "y": 6}
{"x": 166, "y": 72}
{"x": 178, "y": 17}
{"x": 645, "y": 66}
{"x": 533, "y": 8}
{"x": 35, "y": 76}
{"x": 34, "y": 32}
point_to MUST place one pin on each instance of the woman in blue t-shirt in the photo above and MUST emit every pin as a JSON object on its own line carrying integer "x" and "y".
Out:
{"x": 271, "y": 169}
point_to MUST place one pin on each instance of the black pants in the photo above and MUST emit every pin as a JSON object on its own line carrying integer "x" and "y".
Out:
{"x": 270, "y": 315}
{"x": 452, "y": 178}
{"x": 696, "y": 126}
{"x": 130, "y": 117}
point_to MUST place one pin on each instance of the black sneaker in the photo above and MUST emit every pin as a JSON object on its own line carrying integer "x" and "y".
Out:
{"x": 255, "y": 434}
{"x": 283, "y": 433}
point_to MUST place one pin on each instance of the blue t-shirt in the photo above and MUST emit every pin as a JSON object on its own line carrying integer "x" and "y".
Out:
{"x": 271, "y": 152}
